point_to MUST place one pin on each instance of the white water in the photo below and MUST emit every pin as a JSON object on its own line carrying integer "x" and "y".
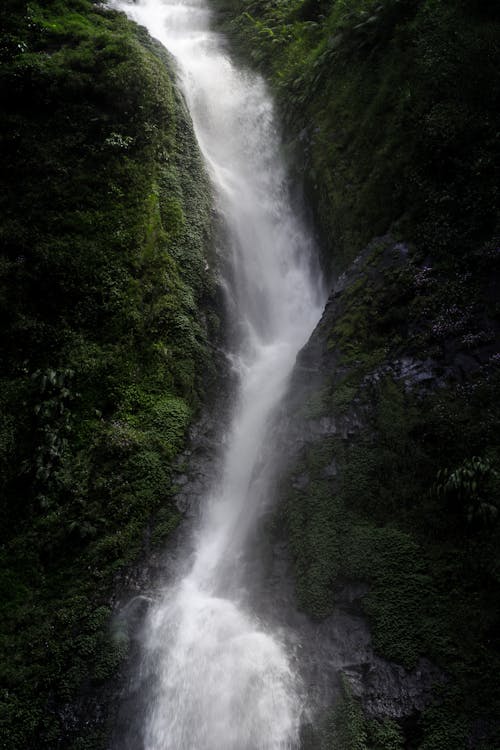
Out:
{"x": 222, "y": 680}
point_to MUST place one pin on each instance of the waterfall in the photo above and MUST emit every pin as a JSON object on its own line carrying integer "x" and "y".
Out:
{"x": 221, "y": 679}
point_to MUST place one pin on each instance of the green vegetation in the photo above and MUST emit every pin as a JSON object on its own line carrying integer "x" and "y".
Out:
{"x": 346, "y": 728}
{"x": 390, "y": 108}
{"x": 411, "y": 508}
{"x": 105, "y": 228}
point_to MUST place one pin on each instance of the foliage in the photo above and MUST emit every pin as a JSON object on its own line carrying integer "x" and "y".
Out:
{"x": 347, "y": 728}
{"x": 105, "y": 228}
{"x": 467, "y": 486}
{"x": 406, "y": 507}
{"x": 390, "y": 109}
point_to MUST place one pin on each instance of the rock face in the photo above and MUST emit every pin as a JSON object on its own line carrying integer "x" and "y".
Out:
{"x": 341, "y": 646}
{"x": 370, "y": 542}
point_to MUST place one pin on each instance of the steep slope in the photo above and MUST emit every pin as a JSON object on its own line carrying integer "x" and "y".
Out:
{"x": 390, "y": 112}
{"x": 390, "y": 505}
{"x": 107, "y": 305}
{"x": 392, "y": 420}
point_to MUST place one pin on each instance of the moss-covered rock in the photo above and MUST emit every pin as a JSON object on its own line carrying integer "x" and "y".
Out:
{"x": 393, "y": 479}
{"x": 107, "y": 307}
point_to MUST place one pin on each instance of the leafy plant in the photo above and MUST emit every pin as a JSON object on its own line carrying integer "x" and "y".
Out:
{"x": 467, "y": 487}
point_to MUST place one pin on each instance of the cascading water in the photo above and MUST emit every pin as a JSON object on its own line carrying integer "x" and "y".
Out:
{"x": 221, "y": 679}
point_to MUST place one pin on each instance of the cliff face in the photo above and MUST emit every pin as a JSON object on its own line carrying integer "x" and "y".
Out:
{"x": 389, "y": 109}
{"x": 389, "y": 506}
{"x": 107, "y": 306}
{"x": 390, "y": 500}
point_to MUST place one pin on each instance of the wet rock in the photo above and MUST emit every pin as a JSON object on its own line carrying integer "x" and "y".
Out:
{"x": 330, "y": 470}
{"x": 300, "y": 482}
{"x": 341, "y": 647}
{"x": 388, "y": 690}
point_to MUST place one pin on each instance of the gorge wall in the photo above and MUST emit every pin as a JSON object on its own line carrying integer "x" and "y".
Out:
{"x": 108, "y": 302}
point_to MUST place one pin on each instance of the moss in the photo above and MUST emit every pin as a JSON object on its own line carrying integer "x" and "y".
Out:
{"x": 345, "y": 727}
{"x": 379, "y": 516}
{"x": 385, "y": 735}
{"x": 373, "y": 93}
{"x": 106, "y": 234}
{"x": 311, "y": 517}
{"x": 344, "y": 394}
{"x": 317, "y": 404}
{"x": 166, "y": 522}
{"x": 431, "y": 590}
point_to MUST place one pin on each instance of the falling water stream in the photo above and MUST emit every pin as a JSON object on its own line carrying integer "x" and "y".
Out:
{"x": 221, "y": 679}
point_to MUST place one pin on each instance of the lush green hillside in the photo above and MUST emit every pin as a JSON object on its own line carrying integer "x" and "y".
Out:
{"x": 390, "y": 109}
{"x": 105, "y": 295}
